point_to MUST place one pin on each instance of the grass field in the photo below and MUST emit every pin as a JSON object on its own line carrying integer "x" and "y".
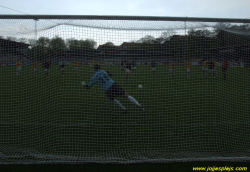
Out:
{"x": 55, "y": 119}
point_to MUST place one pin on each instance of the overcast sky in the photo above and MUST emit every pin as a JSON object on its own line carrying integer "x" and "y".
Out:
{"x": 178, "y": 8}
{"x": 173, "y": 8}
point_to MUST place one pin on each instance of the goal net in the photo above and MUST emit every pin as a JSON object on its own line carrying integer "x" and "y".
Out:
{"x": 192, "y": 105}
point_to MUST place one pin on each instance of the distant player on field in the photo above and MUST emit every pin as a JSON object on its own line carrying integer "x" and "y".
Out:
{"x": 188, "y": 66}
{"x": 211, "y": 67}
{"x": 46, "y": 67}
{"x": 215, "y": 68}
{"x": 205, "y": 68}
{"x": 224, "y": 68}
{"x": 77, "y": 64}
{"x": 35, "y": 66}
{"x": 62, "y": 66}
{"x": 122, "y": 66}
{"x": 171, "y": 69}
{"x": 91, "y": 63}
{"x": 18, "y": 67}
{"x": 134, "y": 66}
{"x": 153, "y": 64}
{"x": 111, "y": 89}
{"x": 128, "y": 71}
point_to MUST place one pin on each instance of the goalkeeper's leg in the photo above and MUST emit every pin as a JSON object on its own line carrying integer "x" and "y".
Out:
{"x": 133, "y": 100}
{"x": 119, "y": 104}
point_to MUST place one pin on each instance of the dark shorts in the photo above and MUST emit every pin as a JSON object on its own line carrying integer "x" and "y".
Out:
{"x": 115, "y": 91}
{"x": 224, "y": 69}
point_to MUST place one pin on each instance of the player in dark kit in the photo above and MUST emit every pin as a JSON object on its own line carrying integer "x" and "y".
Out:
{"x": 122, "y": 66}
{"x": 153, "y": 66}
{"x": 211, "y": 67}
{"x": 111, "y": 89}
{"x": 46, "y": 67}
{"x": 225, "y": 66}
{"x": 62, "y": 68}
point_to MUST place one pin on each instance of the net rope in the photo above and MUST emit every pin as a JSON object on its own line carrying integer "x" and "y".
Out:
{"x": 196, "y": 109}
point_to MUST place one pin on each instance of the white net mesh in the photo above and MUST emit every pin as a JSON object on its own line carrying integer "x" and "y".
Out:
{"x": 195, "y": 89}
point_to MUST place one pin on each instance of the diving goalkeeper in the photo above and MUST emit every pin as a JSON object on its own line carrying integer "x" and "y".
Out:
{"x": 111, "y": 89}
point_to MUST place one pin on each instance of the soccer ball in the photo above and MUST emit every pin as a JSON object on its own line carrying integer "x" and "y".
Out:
{"x": 83, "y": 83}
{"x": 140, "y": 86}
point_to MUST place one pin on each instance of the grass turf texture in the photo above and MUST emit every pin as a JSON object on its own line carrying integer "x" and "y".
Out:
{"x": 56, "y": 119}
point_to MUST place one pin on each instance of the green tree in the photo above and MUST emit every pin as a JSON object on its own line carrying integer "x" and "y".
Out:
{"x": 200, "y": 33}
{"x": 72, "y": 44}
{"x": 31, "y": 42}
{"x": 148, "y": 39}
{"x": 57, "y": 43}
{"x": 40, "y": 48}
{"x": 88, "y": 44}
{"x": 109, "y": 44}
{"x": 11, "y": 38}
{"x": 198, "y": 40}
{"x": 23, "y": 40}
{"x": 43, "y": 42}
{"x": 221, "y": 26}
{"x": 166, "y": 36}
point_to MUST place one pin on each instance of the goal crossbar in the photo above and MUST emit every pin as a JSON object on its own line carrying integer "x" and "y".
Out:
{"x": 145, "y": 18}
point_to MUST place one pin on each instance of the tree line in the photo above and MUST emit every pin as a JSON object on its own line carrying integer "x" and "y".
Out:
{"x": 59, "y": 43}
{"x": 195, "y": 41}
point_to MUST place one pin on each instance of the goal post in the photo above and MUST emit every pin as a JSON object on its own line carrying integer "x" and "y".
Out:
{"x": 167, "y": 89}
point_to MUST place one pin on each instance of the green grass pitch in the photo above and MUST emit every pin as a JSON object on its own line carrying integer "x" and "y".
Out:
{"x": 55, "y": 119}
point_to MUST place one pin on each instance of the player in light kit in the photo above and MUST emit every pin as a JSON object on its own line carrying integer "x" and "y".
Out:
{"x": 189, "y": 66}
{"x": 18, "y": 67}
{"x": 128, "y": 71}
{"x": 77, "y": 64}
{"x": 62, "y": 68}
{"x": 153, "y": 66}
{"x": 205, "y": 68}
{"x": 111, "y": 89}
{"x": 35, "y": 67}
{"x": 171, "y": 69}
